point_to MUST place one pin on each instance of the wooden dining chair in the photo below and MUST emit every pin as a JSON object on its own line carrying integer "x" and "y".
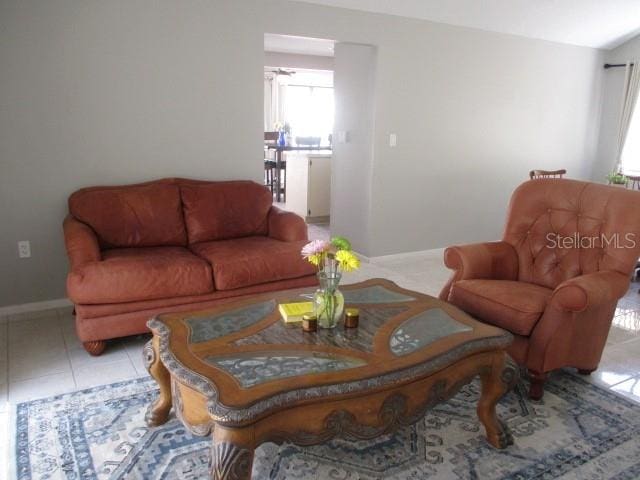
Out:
{"x": 547, "y": 173}
{"x": 633, "y": 182}
{"x": 281, "y": 173}
{"x": 270, "y": 138}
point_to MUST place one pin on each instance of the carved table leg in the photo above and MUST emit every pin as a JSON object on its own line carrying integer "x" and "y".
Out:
{"x": 232, "y": 453}
{"x": 495, "y": 383}
{"x": 158, "y": 411}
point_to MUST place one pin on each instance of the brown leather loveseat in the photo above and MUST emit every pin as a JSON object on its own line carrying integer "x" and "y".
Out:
{"x": 172, "y": 245}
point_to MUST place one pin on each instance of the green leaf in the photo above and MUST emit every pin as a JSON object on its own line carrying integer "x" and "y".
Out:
{"x": 341, "y": 243}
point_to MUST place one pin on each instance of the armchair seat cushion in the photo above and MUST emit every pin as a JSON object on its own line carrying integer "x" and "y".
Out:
{"x": 514, "y": 306}
{"x": 136, "y": 274}
{"x": 243, "y": 262}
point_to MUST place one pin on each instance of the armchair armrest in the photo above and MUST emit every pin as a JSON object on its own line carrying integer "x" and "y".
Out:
{"x": 286, "y": 226}
{"x": 573, "y": 329}
{"x": 591, "y": 290}
{"x": 490, "y": 260}
{"x": 81, "y": 242}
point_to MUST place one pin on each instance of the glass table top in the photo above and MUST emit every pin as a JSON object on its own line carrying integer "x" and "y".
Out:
{"x": 423, "y": 329}
{"x": 203, "y": 329}
{"x": 251, "y": 369}
{"x": 375, "y": 294}
{"x": 262, "y": 355}
{"x": 216, "y": 325}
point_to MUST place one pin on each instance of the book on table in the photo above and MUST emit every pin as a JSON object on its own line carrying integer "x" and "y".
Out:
{"x": 293, "y": 312}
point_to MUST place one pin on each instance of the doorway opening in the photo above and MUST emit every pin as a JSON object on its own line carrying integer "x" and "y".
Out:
{"x": 298, "y": 126}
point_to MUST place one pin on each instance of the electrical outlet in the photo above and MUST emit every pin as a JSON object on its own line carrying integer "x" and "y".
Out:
{"x": 24, "y": 249}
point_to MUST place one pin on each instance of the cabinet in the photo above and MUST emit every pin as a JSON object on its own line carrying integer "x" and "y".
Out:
{"x": 309, "y": 185}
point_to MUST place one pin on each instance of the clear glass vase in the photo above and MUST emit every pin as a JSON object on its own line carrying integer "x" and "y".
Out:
{"x": 328, "y": 301}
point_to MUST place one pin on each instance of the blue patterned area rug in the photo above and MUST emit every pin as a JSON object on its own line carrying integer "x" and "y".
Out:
{"x": 579, "y": 431}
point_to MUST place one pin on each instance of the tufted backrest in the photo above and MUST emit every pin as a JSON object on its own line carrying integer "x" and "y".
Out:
{"x": 564, "y": 228}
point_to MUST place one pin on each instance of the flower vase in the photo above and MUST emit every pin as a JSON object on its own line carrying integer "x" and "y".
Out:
{"x": 328, "y": 301}
{"x": 282, "y": 141}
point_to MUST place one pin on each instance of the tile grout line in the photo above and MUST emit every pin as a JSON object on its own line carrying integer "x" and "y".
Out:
{"x": 625, "y": 342}
{"x": 68, "y": 353}
{"x": 66, "y": 348}
{"x": 133, "y": 363}
{"x": 627, "y": 394}
{"x": 610, "y": 387}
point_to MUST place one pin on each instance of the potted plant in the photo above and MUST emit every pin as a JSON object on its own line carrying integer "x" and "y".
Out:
{"x": 331, "y": 258}
{"x": 617, "y": 179}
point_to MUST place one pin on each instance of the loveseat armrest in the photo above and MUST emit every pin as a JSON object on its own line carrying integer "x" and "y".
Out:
{"x": 286, "y": 226}
{"x": 81, "y": 242}
{"x": 488, "y": 260}
{"x": 591, "y": 290}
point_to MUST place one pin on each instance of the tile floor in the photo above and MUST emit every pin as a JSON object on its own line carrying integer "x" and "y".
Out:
{"x": 41, "y": 356}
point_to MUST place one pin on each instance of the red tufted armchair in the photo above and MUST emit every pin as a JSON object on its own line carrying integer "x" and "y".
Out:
{"x": 554, "y": 279}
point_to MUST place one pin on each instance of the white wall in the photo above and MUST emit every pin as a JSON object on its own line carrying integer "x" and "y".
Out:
{"x": 99, "y": 92}
{"x": 474, "y": 113}
{"x": 627, "y": 51}
{"x": 611, "y": 105}
{"x": 352, "y": 162}
{"x": 112, "y": 92}
{"x": 294, "y": 60}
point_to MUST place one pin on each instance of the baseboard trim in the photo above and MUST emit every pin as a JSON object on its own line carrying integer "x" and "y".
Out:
{"x": 407, "y": 255}
{"x": 321, "y": 220}
{"x": 35, "y": 306}
{"x": 361, "y": 257}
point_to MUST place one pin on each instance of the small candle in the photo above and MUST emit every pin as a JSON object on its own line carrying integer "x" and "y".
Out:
{"x": 351, "y": 318}
{"x": 309, "y": 323}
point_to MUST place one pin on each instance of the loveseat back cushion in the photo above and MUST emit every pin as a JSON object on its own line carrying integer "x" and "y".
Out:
{"x": 141, "y": 273}
{"x": 224, "y": 210}
{"x": 142, "y": 215}
{"x": 564, "y": 228}
{"x": 251, "y": 261}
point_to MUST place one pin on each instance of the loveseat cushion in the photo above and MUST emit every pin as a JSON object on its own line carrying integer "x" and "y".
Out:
{"x": 134, "y": 274}
{"x": 143, "y": 215}
{"x": 514, "y": 306}
{"x": 253, "y": 260}
{"x": 223, "y": 210}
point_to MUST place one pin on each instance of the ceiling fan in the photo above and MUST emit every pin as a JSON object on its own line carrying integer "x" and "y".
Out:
{"x": 281, "y": 71}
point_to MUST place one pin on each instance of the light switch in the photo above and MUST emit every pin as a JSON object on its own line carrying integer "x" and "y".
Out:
{"x": 393, "y": 139}
{"x": 342, "y": 137}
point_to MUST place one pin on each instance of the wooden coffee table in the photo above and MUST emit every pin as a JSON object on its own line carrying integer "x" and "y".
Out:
{"x": 238, "y": 373}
